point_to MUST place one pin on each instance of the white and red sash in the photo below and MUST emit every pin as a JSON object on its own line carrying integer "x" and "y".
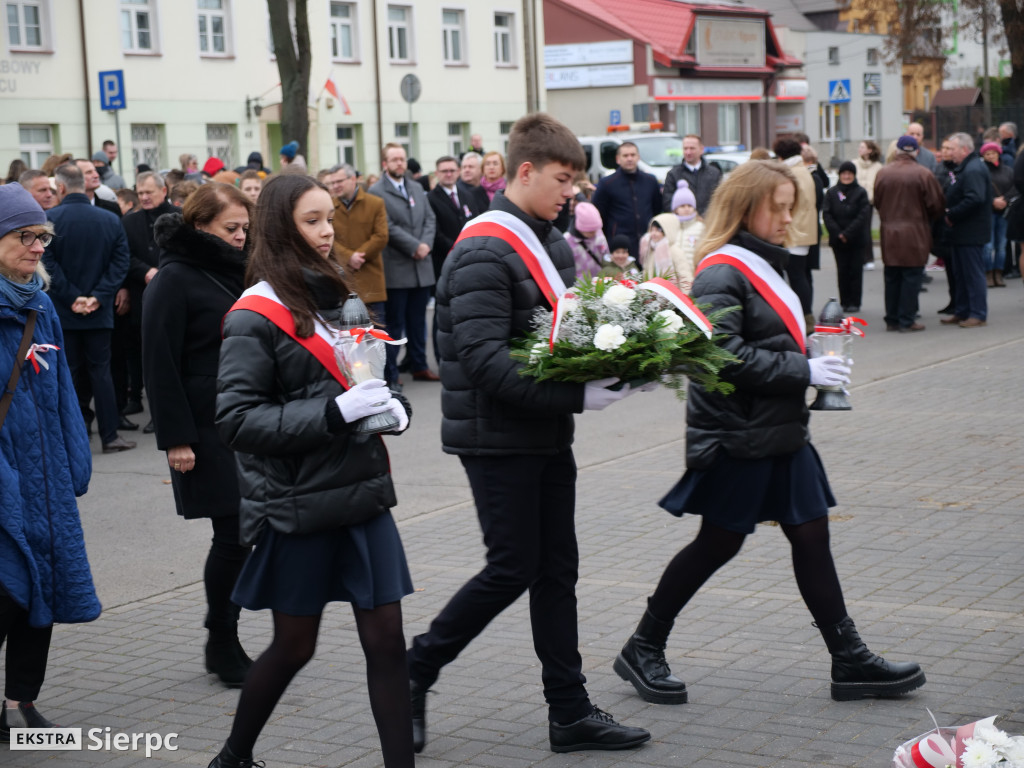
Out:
{"x": 769, "y": 285}
{"x": 262, "y": 300}
{"x": 525, "y": 243}
{"x": 671, "y": 293}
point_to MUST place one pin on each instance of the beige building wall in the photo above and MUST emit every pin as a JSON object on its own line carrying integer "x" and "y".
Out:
{"x": 587, "y": 110}
{"x": 173, "y": 85}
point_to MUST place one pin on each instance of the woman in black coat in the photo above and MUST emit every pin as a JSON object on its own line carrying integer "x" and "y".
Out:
{"x": 847, "y": 215}
{"x": 748, "y": 454}
{"x": 316, "y": 494}
{"x": 202, "y": 268}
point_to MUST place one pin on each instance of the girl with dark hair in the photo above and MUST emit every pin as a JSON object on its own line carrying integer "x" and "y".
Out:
{"x": 202, "y": 271}
{"x": 316, "y": 493}
{"x": 14, "y": 170}
{"x": 758, "y": 435}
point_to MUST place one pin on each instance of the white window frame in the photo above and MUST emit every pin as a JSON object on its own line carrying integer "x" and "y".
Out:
{"x": 339, "y": 23}
{"x": 220, "y": 142}
{"x": 346, "y": 142}
{"x": 135, "y": 8}
{"x": 42, "y": 25}
{"x": 454, "y": 37}
{"x": 826, "y": 124}
{"x": 147, "y": 145}
{"x": 729, "y": 117}
{"x": 508, "y": 34}
{"x": 833, "y": 55}
{"x": 456, "y": 138}
{"x": 34, "y": 153}
{"x": 209, "y": 16}
{"x": 688, "y": 119}
{"x": 872, "y": 57}
{"x": 872, "y": 119}
{"x": 395, "y": 29}
{"x": 403, "y": 136}
{"x": 504, "y": 129}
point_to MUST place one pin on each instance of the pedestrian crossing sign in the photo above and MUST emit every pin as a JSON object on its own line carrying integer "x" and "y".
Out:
{"x": 838, "y": 91}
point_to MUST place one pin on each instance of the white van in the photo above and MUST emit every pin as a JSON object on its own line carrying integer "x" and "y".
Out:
{"x": 659, "y": 152}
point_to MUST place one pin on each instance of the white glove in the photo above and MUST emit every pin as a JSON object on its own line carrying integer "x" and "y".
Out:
{"x": 829, "y": 371}
{"x": 396, "y": 408}
{"x": 364, "y": 399}
{"x": 596, "y": 397}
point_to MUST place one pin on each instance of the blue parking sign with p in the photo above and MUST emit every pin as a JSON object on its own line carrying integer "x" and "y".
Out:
{"x": 112, "y": 90}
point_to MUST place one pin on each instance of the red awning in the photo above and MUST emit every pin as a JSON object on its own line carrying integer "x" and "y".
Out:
{"x": 667, "y": 26}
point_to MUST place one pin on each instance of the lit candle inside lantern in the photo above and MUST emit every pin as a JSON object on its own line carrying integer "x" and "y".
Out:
{"x": 360, "y": 371}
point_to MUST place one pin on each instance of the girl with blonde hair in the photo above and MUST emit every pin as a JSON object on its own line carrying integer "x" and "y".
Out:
{"x": 757, "y": 433}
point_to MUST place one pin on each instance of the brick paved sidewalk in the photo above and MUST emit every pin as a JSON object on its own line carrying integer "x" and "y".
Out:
{"x": 929, "y": 473}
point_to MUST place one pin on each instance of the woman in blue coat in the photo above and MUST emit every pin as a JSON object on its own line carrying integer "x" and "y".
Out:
{"x": 44, "y": 464}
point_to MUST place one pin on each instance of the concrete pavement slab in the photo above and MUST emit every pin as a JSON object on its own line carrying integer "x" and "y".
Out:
{"x": 928, "y": 472}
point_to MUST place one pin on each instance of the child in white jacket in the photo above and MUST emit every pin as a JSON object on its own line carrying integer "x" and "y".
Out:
{"x": 691, "y": 227}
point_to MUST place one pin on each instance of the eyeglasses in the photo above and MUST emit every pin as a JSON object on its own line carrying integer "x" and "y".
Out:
{"x": 28, "y": 238}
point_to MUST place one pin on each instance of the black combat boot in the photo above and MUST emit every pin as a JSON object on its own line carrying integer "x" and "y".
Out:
{"x": 225, "y": 657}
{"x": 228, "y": 759}
{"x": 418, "y": 695}
{"x": 642, "y": 662}
{"x": 857, "y": 673}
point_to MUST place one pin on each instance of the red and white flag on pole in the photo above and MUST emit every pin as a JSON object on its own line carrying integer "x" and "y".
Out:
{"x": 333, "y": 90}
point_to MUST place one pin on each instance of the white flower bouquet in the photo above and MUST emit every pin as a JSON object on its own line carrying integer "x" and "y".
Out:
{"x": 637, "y": 332}
{"x": 975, "y": 745}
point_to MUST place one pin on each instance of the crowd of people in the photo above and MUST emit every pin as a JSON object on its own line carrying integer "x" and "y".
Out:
{"x": 959, "y": 205}
{"x": 217, "y": 295}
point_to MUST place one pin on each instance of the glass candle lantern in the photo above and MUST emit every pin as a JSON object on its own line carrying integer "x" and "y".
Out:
{"x": 838, "y": 344}
{"x": 361, "y": 361}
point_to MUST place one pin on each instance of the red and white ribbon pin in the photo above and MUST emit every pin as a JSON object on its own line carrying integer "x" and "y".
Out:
{"x": 33, "y": 355}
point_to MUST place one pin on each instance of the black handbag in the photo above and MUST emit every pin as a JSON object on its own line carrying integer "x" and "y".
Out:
{"x": 1014, "y": 215}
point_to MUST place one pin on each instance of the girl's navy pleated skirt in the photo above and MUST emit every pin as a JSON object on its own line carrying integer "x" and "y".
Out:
{"x": 298, "y": 574}
{"x": 737, "y": 494}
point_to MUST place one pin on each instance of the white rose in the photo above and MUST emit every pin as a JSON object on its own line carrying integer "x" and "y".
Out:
{"x": 568, "y": 305}
{"x": 673, "y": 322}
{"x": 537, "y": 351}
{"x": 609, "y": 337}
{"x": 618, "y": 295}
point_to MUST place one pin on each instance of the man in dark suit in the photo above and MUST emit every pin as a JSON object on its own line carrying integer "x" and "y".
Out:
{"x": 629, "y": 198}
{"x": 83, "y": 384}
{"x": 92, "y": 183}
{"x": 145, "y": 256}
{"x": 452, "y": 212}
{"x": 408, "y": 269}
{"x": 87, "y": 262}
{"x": 468, "y": 185}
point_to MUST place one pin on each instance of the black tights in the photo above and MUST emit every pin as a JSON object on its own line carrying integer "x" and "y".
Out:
{"x": 799, "y": 274}
{"x": 223, "y": 565}
{"x": 387, "y": 677}
{"x": 714, "y": 546}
